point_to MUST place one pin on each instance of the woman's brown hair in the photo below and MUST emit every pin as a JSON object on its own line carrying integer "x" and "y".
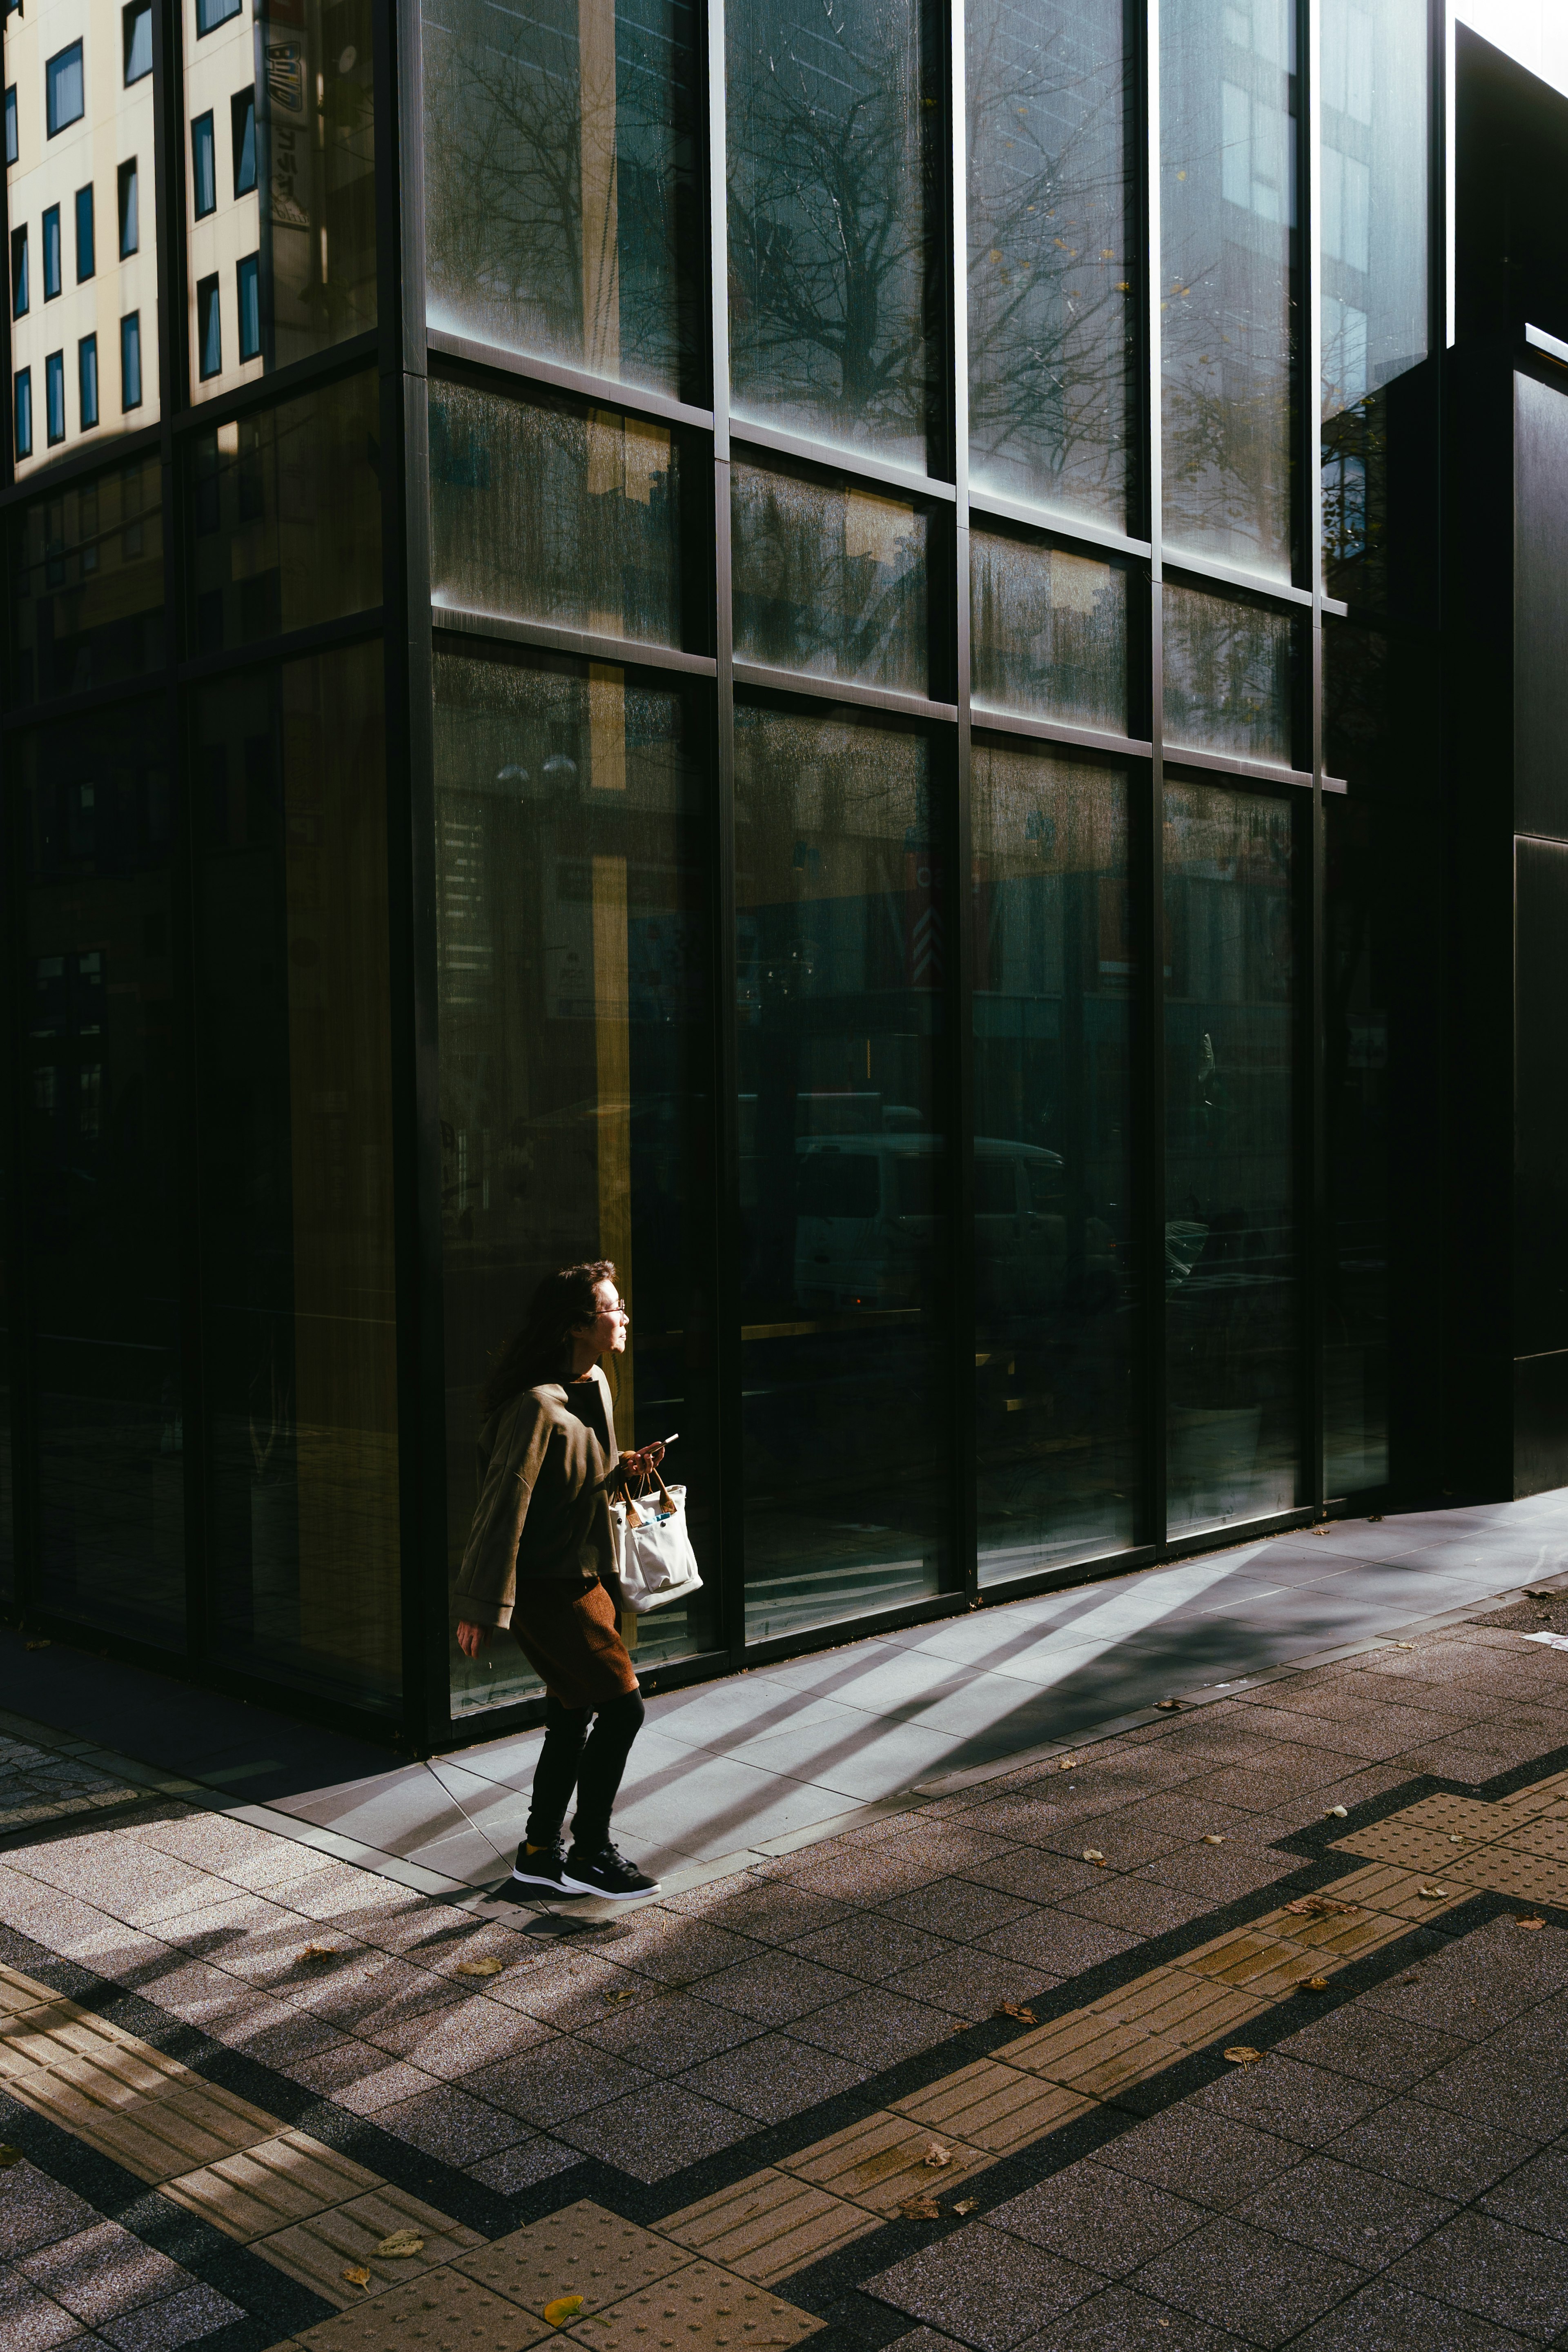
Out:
{"x": 542, "y": 1350}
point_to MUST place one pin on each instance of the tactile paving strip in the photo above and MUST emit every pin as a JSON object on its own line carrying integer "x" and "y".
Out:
{"x": 443, "y": 2312}
{"x": 770, "y": 2225}
{"x": 266, "y": 2187}
{"x": 319, "y": 2251}
{"x": 700, "y": 2309}
{"x": 583, "y": 2249}
{"x": 880, "y": 2160}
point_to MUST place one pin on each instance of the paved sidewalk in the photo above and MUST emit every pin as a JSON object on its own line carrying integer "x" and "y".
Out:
{"x": 752, "y": 1765}
{"x": 1240, "y": 2026}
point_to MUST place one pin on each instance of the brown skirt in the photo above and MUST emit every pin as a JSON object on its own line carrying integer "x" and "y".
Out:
{"x": 572, "y": 1639}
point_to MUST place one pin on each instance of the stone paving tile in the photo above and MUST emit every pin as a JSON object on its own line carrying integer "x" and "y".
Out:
{"x": 1213, "y": 1875}
{"x": 772, "y": 2077}
{"x": 1387, "y": 2317}
{"x": 1057, "y": 1943}
{"x": 668, "y": 2032}
{"x": 1516, "y": 2080}
{"x": 31, "y": 2321}
{"x": 771, "y": 1909}
{"x": 1341, "y": 2211}
{"x": 1281, "y": 2095}
{"x": 100, "y": 2272}
{"x": 1513, "y": 2277}
{"x": 361, "y": 2079}
{"x": 558, "y": 2079}
{"x": 955, "y": 1907}
{"x": 446, "y": 2123}
{"x": 1536, "y": 2196}
{"x": 533, "y": 2159}
{"x": 1138, "y": 1906}
{"x": 175, "y": 2319}
{"x": 982, "y": 2286}
{"x": 1104, "y": 2220}
{"x": 36, "y": 2210}
{"x": 1230, "y": 2270}
{"x": 778, "y": 1986}
{"x": 1206, "y": 2157}
{"x": 967, "y": 1983}
{"x": 671, "y": 1948}
{"x": 871, "y": 1946}
{"x": 1371, "y": 2048}
{"x": 1037, "y": 1875}
{"x": 650, "y": 2138}
{"x": 875, "y": 2029}
{"x": 473, "y": 2033}
{"x": 1454, "y": 2157}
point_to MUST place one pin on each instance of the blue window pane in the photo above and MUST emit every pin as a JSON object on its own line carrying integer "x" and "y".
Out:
{"x": 203, "y": 166}
{"x": 51, "y": 253}
{"x": 130, "y": 222}
{"x": 23, "y": 412}
{"x": 248, "y": 273}
{"x": 84, "y": 242}
{"x": 55, "y": 394}
{"x": 209, "y": 328}
{"x": 137, "y": 22}
{"x": 20, "y": 298}
{"x": 87, "y": 379}
{"x": 131, "y": 361}
{"x": 11, "y": 124}
{"x": 242, "y": 121}
{"x": 63, "y": 84}
{"x": 210, "y": 13}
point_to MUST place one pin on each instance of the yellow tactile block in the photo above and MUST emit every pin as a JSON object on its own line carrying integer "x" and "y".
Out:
{"x": 443, "y": 2311}
{"x": 583, "y": 2249}
{"x": 318, "y": 2251}
{"x": 994, "y": 2107}
{"x": 265, "y": 2187}
{"x": 699, "y": 2309}
{"x": 880, "y": 2160}
{"x": 770, "y": 2225}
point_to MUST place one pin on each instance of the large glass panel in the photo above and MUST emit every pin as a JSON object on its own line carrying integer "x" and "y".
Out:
{"x": 558, "y": 514}
{"x": 1230, "y": 671}
{"x": 1052, "y": 284}
{"x": 573, "y": 959}
{"x": 86, "y": 583}
{"x": 74, "y": 136}
{"x": 287, "y": 93}
{"x": 1231, "y": 1322}
{"x": 1377, "y": 117}
{"x": 286, "y": 516}
{"x": 92, "y": 830}
{"x": 561, "y": 212}
{"x": 835, "y": 171}
{"x": 842, "y": 896}
{"x": 829, "y": 579}
{"x": 300, "y": 1352}
{"x": 1227, "y": 207}
{"x": 1056, "y": 1328}
{"x": 298, "y": 1327}
{"x": 1048, "y": 633}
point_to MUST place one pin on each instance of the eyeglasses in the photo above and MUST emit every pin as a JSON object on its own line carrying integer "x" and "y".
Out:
{"x": 623, "y": 1312}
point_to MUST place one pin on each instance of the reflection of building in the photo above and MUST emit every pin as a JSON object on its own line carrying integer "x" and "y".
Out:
{"x": 883, "y": 785}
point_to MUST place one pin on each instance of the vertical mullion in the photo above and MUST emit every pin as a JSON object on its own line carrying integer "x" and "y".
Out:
{"x": 1312, "y": 1150}
{"x": 1151, "y": 1054}
{"x": 408, "y": 686}
{"x": 728, "y": 1347}
{"x": 960, "y": 994}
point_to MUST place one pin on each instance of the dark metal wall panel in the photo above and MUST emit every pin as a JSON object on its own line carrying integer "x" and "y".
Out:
{"x": 1540, "y": 1099}
{"x": 1540, "y": 607}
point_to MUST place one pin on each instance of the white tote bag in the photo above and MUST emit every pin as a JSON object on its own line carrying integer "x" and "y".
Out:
{"x": 657, "y": 1563}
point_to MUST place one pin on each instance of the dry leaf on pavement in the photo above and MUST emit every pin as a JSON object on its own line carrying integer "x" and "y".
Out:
{"x": 564, "y": 2307}
{"x": 967, "y": 2205}
{"x": 1093, "y": 1853}
{"x": 357, "y": 2275}
{"x": 936, "y": 2155}
{"x": 1241, "y": 2053}
{"x": 35, "y": 1646}
{"x": 1015, "y": 2009}
{"x": 402, "y": 2242}
{"x": 320, "y": 1952}
{"x": 1433, "y": 1893}
{"x": 486, "y": 1968}
{"x": 921, "y": 2209}
{"x": 1312, "y": 1984}
{"x": 1530, "y": 1923}
{"x": 1337, "y": 1813}
{"x": 1319, "y": 1906}
{"x": 1212, "y": 1840}
{"x": 1169, "y": 1705}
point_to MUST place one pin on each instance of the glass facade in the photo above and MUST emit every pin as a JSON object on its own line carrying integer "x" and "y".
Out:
{"x": 758, "y": 721}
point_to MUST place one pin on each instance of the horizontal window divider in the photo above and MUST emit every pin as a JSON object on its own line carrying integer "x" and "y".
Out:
{"x": 984, "y": 509}
{"x": 1061, "y": 1575}
{"x": 769, "y": 442}
{"x": 808, "y": 1639}
{"x": 297, "y": 646}
{"x": 20, "y": 718}
{"x": 838, "y": 689}
{"x": 90, "y": 455}
{"x": 1190, "y": 572}
{"x": 1239, "y": 1531}
{"x": 351, "y": 358}
{"x": 1335, "y": 784}
{"x": 1223, "y": 763}
{"x": 1052, "y": 730}
{"x": 604, "y": 392}
{"x": 629, "y": 652}
{"x": 1336, "y": 606}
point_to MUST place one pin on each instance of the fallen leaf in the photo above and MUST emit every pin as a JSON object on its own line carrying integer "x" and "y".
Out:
{"x": 917, "y": 2209}
{"x": 1015, "y": 2009}
{"x": 627, "y": 1992}
{"x": 1413, "y": 1978}
{"x": 1241, "y": 2053}
{"x": 357, "y": 2275}
{"x": 1169, "y": 1705}
{"x": 1067, "y": 1764}
{"x": 35, "y": 1646}
{"x": 1312, "y": 1984}
{"x": 318, "y": 1952}
{"x": 1373, "y": 1518}
{"x": 1322, "y": 1532}
{"x": 967, "y": 2205}
{"x": 401, "y": 2244}
{"x": 1530, "y": 1923}
{"x": 564, "y": 2307}
{"x": 1319, "y": 1906}
{"x": 1432, "y": 1894}
{"x": 1457, "y": 1837}
{"x": 486, "y": 1968}
{"x": 1401, "y": 1645}
{"x": 1210, "y": 1839}
{"x": 1531, "y": 1595}
{"x": 8, "y": 2157}
{"x": 936, "y": 2156}
{"x": 1093, "y": 1853}
{"x": 1337, "y": 1813}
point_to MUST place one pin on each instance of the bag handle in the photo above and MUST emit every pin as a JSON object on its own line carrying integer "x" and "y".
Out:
{"x": 659, "y": 1482}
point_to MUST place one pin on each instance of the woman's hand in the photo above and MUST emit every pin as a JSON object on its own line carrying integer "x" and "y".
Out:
{"x": 644, "y": 1459}
{"x": 471, "y": 1639}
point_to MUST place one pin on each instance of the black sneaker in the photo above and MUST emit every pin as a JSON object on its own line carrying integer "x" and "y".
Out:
{"x": 541, "y": 1867}
{"x": 605, "y": 1873}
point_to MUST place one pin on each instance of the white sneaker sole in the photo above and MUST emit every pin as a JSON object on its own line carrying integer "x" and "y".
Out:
{"x": 609, "y": 1893}
{"x": 550, "y": 1886}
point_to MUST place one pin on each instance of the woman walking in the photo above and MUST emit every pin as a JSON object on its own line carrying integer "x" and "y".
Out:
{"x": 541, "y": 1560}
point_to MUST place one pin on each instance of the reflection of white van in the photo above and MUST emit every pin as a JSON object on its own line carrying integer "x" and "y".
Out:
{"x": 864, "y": 1208}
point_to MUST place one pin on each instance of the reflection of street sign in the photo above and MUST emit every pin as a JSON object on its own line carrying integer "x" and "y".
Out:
{"x": 922, "y": 920}
{"x": 286, "y": 76}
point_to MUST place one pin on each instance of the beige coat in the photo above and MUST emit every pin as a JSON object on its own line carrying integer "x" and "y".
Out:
{"x": 543, "y": 1514}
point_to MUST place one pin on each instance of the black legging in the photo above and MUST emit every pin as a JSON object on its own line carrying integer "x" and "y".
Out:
{"x": 592, "y": 1762}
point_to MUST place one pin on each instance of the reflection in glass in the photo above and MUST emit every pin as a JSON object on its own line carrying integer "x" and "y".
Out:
{"x": 297, "y": 79}
{"x": 1048, "y": 633}
{"x": 1227, "y": 318}
{"x": 555, "y": 514}
{"x": 560, "y": 194}
{"x": 834, "y": 162}
{"x": 1231, "y": 1319}
{"x": 1053, "y": 286}
{"x": 1057, "y": 1323}
{"x": 286, "y": 516}
{"x": 1376, "y": 136}
{"x": 573, "y": 951}
{"x": 829, "y": 580}
{"x": 86, "y": 583}
{"x": 93, "y": 826}
{"x": 300, "y": 1354}
{"x": 842, "y": 906}
{"x": 1228, "y": 676}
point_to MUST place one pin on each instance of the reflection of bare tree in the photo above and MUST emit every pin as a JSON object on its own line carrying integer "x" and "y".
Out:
{"x": 829, "y": 173}
{"x": 829, "y": 581}
{"x": 560, "y": 178}
{"x": 1050, "y": 286}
